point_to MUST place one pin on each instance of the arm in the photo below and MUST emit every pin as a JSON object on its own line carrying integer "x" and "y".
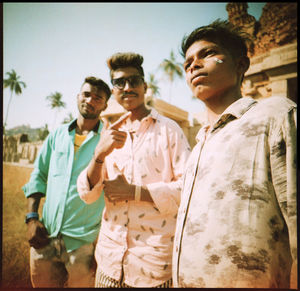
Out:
{"x": 110, "y": 139}
{"x": 166, "y": 196}
{"x": 120, "y": 190}
{"x": 89, "y": 182}
{"x": 284, "y": 175}
{"x": 34, "y": 190}
{"x": 37, "y": 234}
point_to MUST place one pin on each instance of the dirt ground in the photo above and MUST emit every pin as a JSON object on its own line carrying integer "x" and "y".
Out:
{"x": 15, "y": 248}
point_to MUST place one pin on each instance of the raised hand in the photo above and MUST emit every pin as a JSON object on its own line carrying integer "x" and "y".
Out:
{"x": 111, "y": 138}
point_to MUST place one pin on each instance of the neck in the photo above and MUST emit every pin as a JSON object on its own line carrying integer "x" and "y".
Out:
{"x": 217, "y": 105}
{"x": 84, "y": 126}
{"x": 139, "y": 113}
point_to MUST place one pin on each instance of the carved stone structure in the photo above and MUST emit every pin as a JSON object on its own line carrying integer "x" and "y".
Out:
{"x": 273, "y": 58}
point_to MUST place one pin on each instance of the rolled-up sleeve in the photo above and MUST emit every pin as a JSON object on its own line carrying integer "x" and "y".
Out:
{"x": 166, "y": 196}
{"x": 85, "y": 192}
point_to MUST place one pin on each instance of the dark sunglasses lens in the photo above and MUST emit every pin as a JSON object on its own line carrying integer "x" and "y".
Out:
{"x": 119, "y": 82}
{"x": 135, "y": 81}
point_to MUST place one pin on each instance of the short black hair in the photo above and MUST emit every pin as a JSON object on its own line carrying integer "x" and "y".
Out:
{"x": 100, "y": 84}
{"x": 123, "y": 60}
{"x": 222, "y": 32}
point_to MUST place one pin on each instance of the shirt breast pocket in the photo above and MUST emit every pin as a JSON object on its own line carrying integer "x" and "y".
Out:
{"x": 59, "y": 163}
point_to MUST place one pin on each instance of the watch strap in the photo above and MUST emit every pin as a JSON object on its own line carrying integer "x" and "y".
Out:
{"x": 31, "y": 215}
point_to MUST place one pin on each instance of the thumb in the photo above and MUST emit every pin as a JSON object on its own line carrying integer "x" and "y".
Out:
{"x": 116, "y": 169}
{"x": 119, "y": 122}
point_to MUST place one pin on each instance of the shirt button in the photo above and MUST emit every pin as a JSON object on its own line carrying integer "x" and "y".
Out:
{"x": 176, "y": 249}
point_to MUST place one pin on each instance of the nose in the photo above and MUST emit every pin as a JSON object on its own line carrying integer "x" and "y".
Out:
{"x": 89, "y": 100}
{"x": 127, "y": 85}
{"x": 196, "y": 64}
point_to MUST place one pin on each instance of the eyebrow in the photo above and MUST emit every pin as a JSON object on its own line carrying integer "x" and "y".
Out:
{"x": 201, "y": 51}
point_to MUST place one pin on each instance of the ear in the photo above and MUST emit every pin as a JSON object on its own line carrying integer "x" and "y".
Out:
{"x": 145, "y": 87}
{"x": 242, "y": 66}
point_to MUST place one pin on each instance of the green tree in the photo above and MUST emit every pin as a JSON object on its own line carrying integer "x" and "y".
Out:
{"x": 56, "y": 103}
{"x": 172, "y": 69}
{"x": 43, "y": 132}
{"x": 69, "y": 118}
{"x": 152, "y": 85}
{"x": 15, "y": 86}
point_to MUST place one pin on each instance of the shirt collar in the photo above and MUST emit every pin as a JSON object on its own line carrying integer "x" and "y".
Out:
{"x": 72, "y": 125}
{"x": 236, "y": 110}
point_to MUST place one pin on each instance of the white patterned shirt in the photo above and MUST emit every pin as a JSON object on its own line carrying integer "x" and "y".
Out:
{"x": 236, "y": 225}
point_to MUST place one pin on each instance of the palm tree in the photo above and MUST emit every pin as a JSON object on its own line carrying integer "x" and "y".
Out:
{"x": 15, "y": 86}
{"x": 56, "y": 103}
{"x": 172, "y": 69}
{"x": 152, "y": 85}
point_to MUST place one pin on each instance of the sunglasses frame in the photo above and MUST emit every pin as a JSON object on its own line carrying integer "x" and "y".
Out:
{"x": 137, "y": 81}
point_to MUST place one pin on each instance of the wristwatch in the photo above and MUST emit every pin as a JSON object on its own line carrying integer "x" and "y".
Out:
{"x": 31, "y": 215}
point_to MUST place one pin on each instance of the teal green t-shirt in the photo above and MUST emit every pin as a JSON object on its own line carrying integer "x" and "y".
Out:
{"x": 55, "y": 173}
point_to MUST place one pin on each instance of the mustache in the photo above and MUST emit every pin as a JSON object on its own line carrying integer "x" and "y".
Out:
{"x": 88, "y": 106}
{"x": 129, "y": 93}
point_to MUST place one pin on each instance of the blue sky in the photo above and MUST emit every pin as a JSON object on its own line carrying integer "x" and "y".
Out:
{"x": 54, "y": 46}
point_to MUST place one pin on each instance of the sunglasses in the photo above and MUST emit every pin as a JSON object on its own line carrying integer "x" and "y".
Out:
{"x": 133, "y": 81}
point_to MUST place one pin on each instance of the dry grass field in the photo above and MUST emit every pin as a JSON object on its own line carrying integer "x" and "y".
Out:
{"x": 15, "y": 248}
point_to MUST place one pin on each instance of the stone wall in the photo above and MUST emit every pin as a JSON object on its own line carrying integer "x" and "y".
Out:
{"x": 17, "y": 149}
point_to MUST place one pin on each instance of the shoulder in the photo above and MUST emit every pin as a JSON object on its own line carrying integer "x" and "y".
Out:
{"x": 277, "y": 104}
{"x": 274, "y": 109}
{"x": 168, "y": 122}
{"x": 59, "y": 132}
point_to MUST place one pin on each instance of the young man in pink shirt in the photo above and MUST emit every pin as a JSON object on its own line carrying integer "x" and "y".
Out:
{"x": 139, "y": 164}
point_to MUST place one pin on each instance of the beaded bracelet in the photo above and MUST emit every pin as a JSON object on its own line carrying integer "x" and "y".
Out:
{"x": 98, "y": 161}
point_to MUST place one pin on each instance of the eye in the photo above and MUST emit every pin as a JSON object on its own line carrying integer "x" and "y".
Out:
{"x": 210, "y": 52}
{"x": 186, "y": 66}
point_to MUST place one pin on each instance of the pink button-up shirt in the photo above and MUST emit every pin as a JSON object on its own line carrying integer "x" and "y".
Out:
{"x": 137, "y": 237}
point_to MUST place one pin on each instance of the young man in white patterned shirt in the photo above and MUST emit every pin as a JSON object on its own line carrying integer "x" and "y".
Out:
{"x": 237, "y": 221}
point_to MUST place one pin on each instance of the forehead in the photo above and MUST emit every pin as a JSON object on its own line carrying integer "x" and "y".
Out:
{"x": 201, "y": 45}
{"x": 125, "y": 72}
{"x": 86, "y": 87}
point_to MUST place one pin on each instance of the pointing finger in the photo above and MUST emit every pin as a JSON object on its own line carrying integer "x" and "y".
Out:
{"x": 118, "y": 123}
{"x": 105, "y": 123}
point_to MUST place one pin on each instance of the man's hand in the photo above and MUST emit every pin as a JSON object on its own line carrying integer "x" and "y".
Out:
{"x": 37, "y": 234}
{"x": 118, "y": 189}
{"x": 111, "y": 138}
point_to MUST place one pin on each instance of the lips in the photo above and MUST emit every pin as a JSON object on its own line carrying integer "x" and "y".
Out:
{"x": 198, "y": 78}
{"x": 129, "y": 96}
